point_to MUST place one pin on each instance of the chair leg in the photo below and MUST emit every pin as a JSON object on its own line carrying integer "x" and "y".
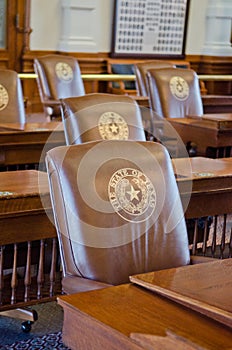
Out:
{"x": 28, "y": 315}
{"x": 22, "y": 314}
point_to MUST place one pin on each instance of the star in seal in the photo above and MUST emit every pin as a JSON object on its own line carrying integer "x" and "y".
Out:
{"x": 132, "y": 194}
{"x": 4, "y": 97}
{"x": 113, "y": 126}
{"x": 64, "y": 71}
{"x": 179, "y": 88}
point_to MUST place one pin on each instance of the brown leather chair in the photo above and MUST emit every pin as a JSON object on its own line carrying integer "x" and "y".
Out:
{"x": 174, "y": 92}
{"x": 117, "y": 212}
{"x": 58, "y": 76}
{"x": 101, "y": 116}
{"x": 141, "y": 69}
{"x": 12, "y": 108}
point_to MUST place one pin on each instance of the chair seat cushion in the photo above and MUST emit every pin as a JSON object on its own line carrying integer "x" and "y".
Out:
{"x": 75, "y": 284}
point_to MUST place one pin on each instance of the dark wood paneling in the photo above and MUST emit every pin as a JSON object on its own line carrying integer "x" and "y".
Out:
{"x": 212, "y": 65}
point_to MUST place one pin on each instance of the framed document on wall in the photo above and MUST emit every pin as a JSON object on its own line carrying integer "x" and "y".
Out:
{"x": 149, "y": 28}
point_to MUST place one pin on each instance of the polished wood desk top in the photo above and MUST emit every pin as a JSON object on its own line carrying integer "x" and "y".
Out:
{"x": 27, "y": 143}
{"x": 206, "y": 288}
{"x": 219, "y": 121}
{"x": 24, "y": 185}
{"x": 24, "y": 205}
{"x": 109, "y": 317}
{"x": 30, "y": 128}
{"x": 205, "y": 185}
{"x": 210, "y": 130}
{"x": 205, "y": 173}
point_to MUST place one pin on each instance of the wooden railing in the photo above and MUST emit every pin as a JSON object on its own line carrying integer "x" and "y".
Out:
{"x": 210, "y": 236}
{"x": 29, "y": 273}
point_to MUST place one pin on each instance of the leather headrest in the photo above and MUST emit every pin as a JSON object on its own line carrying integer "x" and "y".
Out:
{"x": 174, "y": 92}
{"x": 101, "y": 116}
{"x": 60, "y": 76}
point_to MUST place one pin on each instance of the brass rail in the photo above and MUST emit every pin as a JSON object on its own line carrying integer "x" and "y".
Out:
{"x": 129, "y": 77}
{"x": 215, "y": 77}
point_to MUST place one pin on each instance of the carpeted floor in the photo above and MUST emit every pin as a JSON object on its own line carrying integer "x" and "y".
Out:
{"x": 50, "y": 321}
{"x": 46, "y": 342}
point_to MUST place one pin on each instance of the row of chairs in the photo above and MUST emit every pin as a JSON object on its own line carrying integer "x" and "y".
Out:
{"x": 61, "y": 88}
{"x": 59, "y": 77}
{"x": 63, "y": 94}
{"x": 173, "y": 92}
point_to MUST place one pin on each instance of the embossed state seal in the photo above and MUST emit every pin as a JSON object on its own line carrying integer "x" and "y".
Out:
{"x": 132, "y": 194}
{"x": 179, "y": 88}
{"x": 112, "y": 126}
{"x": 4, "y": 97}
{"x": 64, "y": 71}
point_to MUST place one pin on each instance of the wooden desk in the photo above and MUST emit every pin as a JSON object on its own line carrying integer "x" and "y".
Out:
{"x": 205, "y": 187}
{"x": 21, "y": 206}
{"x": 108, "y": 318}
{"x": 27, "y": 143}
{"x": 23, "y": 220}
{"x": 212, "y": 133}
{"x": 210, "y": 181}
{"x": 204, "y": 287}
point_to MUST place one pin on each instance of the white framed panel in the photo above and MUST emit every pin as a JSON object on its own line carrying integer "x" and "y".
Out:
{"x": 218, "y": 28}
{"x": 79, "y": 26}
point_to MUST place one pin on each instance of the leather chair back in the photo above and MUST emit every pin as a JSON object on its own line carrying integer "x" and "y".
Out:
{"x": 12, "y": 108}
{"x": 117, "y": 212}
{"x": 59, "y": 76}
{"x": 141, "y": 69}
{"x": 174, "y": 92}
{"x": 101, "y": 116}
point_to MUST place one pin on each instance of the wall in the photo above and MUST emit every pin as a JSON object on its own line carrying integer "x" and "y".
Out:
{"x": 196, "y": 27}
{"x": 45, "y": 19}
{"x": 48, "y": 36}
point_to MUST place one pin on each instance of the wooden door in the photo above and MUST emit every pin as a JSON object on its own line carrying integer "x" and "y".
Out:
{"x": 14, "y": 32}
